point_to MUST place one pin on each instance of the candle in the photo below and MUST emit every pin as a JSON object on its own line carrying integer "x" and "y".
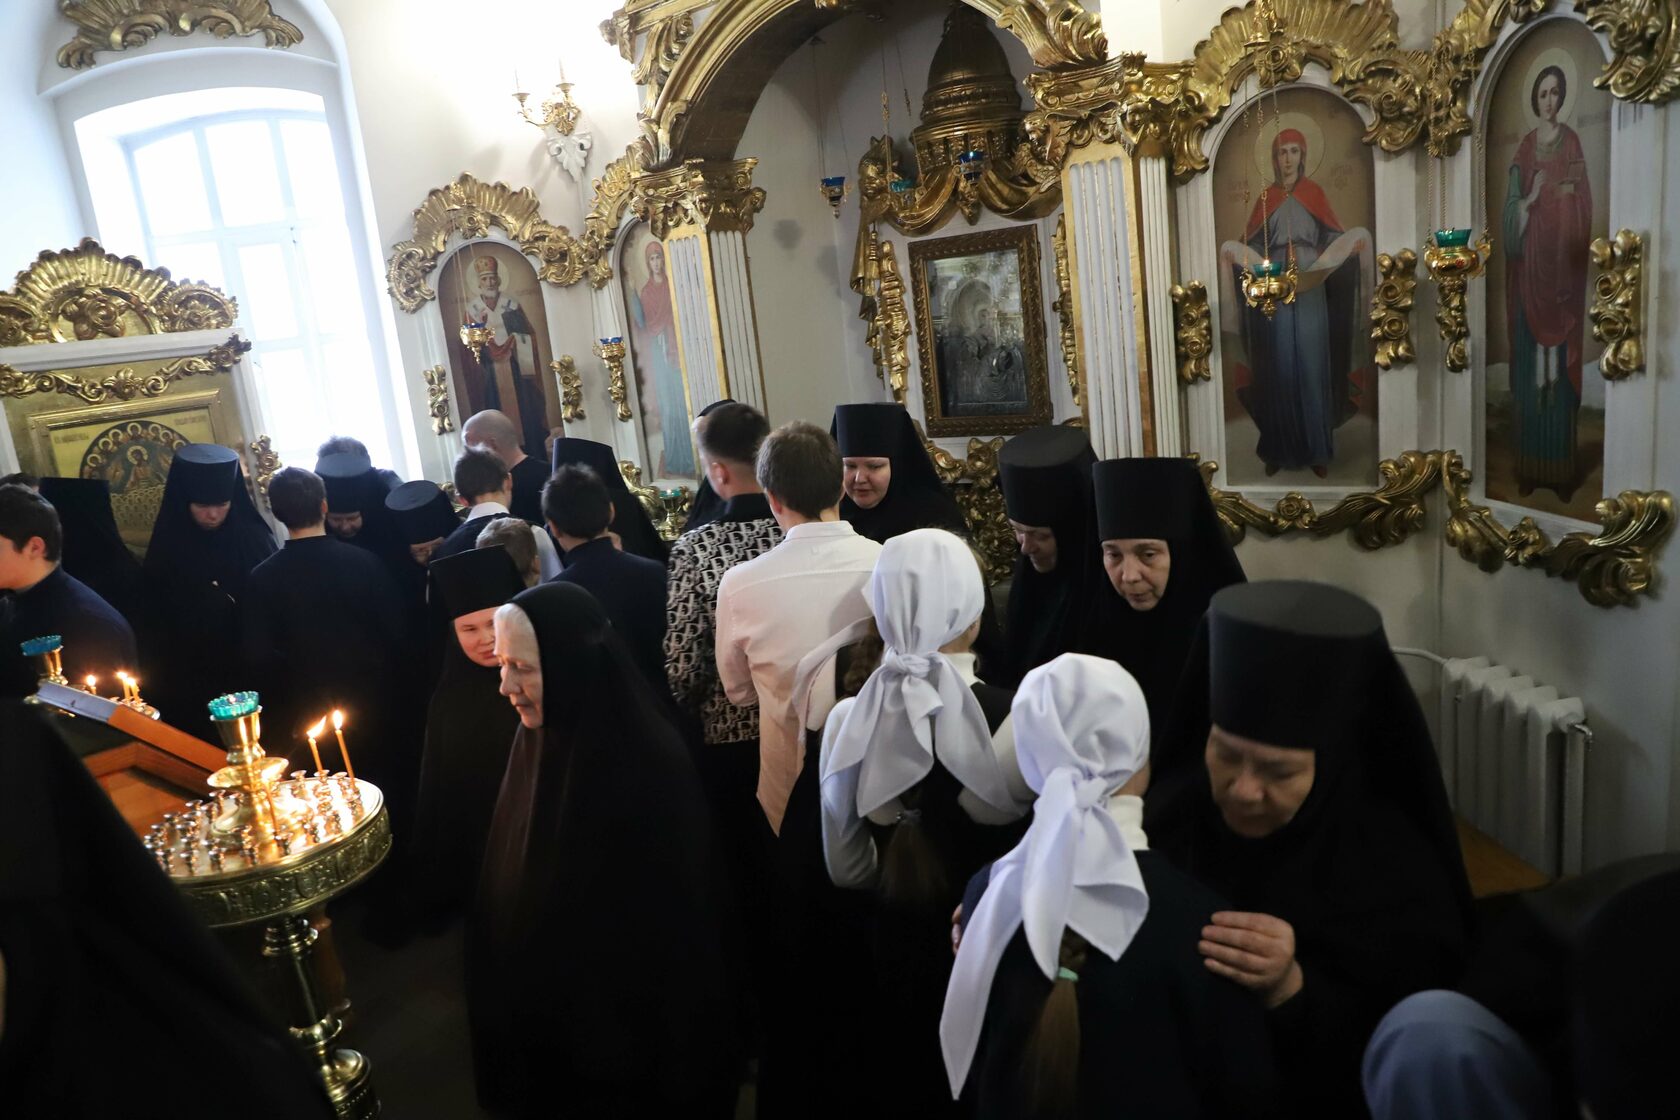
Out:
{"x": 315, "y": 751}
{"x": 127, "y": 685}
{"x": 338, "y": 729}
{"x": 93, "y": 684}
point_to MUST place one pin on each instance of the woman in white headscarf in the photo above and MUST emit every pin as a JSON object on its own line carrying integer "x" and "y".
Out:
{"x": 919, "y": 789}
{"x": 1078, "y": 989}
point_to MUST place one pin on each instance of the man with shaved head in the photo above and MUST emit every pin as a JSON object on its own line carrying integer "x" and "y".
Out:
{"x": 494, "y": 432}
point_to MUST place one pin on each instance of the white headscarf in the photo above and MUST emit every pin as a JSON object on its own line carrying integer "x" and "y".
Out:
{"x": 1081, "y": 731}
{"x": 925, "y": 591}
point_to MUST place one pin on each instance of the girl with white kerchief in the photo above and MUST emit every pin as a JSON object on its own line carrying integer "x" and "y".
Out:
{"x": 919, "y": 789}
{"x": 1078, "y": 990}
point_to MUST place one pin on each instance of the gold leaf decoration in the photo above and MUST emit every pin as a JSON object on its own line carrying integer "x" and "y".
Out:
{"x": 663, "y": 39}
{"x": 86, "y": 293}
{"x": 1057, "y": 33}
{"x": 571, "y": 388}
{"x": 612, "y": 352}
{"x": 124, "y": 384}
{"x": 607, "y": 210}
{"x": 1377, "y": 519}
{"x": 1192, "y": 332}
{"x": 265, "y": 465}
{"x": 1391, "y": 309}
{"x": 711, "y": 194}
{"x": 437, "y": 399}
{"x": 973, "y": 481}
{"x": 1644, "y": 47}
{"x": 888, "y": 316}
{"x": 469, "y": 208}
{"x": 1063, "y": 308}
{"x": 120, "y": 25}
{"x": 1618, "y": 305}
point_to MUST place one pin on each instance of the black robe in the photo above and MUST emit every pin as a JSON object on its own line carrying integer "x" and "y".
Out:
{"x": 469, "y": 732}
{"x": 1154, "y": 646}
{"x": 530, "y": 475}
{"x": 1160, "y": 1035}
{"x": 596, "y": 959}
{"x": 635, "y": 529}
{"x": 464, "y": 537}
{"x": 1368, "y": 871}
{"x": 97, "y": 639}
{"x": 323, "y": 628}
{"x": 632, "y": 591}
{"x": 195, "y": 581}
{"x": 94, "y": 551}
{"x": 118, "y": 1000}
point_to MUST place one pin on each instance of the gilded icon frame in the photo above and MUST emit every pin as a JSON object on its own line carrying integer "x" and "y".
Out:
{"x": 1023, "y": 241}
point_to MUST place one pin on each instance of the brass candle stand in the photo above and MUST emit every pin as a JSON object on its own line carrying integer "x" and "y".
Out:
{"x": 48, "y": 651}
{"x": 1453, "y": 262}
{"x": 675, "y": 502}
{"x": 266, "y": 848}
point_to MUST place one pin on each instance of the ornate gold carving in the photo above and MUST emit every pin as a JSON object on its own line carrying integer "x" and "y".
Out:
{"x": 1618, "y": 305}
{"x": 1059, "y": 34}
{"x": 1380, "y": 518}
{"x": 1452, "y": 270}
{"x": 1644, "y": 44}
{"x": 125, "y": 384}
{"x": 973, "y": 481}
{"x": 1063, "y": 307}
{"x": 85, "y": 293}
{"x": 119, "y": 25}
{"x": 714, "y": 195}
{"x": 1391, "y": 309}
{"x": 663, "y": 39}
{"x": 606, "y": 211}
{"x": 1192, "y": 332}
{"x": 571, "y": 388}
{"x": 648, "y": 496}
{"x": 468, "y": 208}
{"x": 437, "y": 399}
{"x": 265, "y": 464}
{"x": 612, "y": 353}
{"x": 889, "y": 320}
{"x": 1612, "y": 567}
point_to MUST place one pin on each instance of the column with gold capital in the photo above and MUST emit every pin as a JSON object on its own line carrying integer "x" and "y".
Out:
{"x": 702, "y": 211}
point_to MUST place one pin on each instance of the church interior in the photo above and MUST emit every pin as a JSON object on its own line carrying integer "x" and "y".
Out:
{"x": 1381, "y": 278}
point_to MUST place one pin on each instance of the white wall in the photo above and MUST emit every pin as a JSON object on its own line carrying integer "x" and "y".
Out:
{"x": 37, "y": 202}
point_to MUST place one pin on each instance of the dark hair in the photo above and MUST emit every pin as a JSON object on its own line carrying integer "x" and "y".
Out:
{"x": 733, "y": 433}
{"x": 1050, "y": 1064}
{"x": 478, "y": 473}
{"x": 577, "y": 502}
{"x": 799, "y": 464}
{"x": 295, "y": 495}
{"x": 24, "y": 515}
{"x": 337, "y": 445}
{"x": 1563, "y": 88}
{"x": 913, "y": 873}
{"x": 21, "y": 478}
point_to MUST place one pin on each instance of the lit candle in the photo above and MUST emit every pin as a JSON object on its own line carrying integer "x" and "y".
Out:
{"x": 315, "y": 751}
{"x": 338, "y": 729}
{"x": 127, "y": 687}
{"x": 93, "y": 684}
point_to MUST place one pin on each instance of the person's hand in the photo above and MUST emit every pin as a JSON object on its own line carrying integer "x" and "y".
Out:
{"x": 1256, "y": 951}
{"x": 956, "y": 929}
{"x": 1535, "y": 188}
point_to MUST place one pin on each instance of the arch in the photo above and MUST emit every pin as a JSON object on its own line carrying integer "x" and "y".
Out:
{"x": 720, "y": 70}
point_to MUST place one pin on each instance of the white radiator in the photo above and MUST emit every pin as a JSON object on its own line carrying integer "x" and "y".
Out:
{"x": 1513, "y": 753}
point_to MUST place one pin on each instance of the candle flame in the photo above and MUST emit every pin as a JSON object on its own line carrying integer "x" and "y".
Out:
{"x": 92, "y": 680}
{"x": 318, "y": 730}
{"x": 338, "y": 720}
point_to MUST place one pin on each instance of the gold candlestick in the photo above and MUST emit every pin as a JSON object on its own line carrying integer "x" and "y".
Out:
{"x": 611, "y": 351}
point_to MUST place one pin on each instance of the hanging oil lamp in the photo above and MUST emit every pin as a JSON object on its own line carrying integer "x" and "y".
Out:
{"x": 1450, "y": 254}
{"x": 834, "y": 191}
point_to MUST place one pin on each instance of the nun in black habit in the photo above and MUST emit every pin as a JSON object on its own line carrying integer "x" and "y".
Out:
{"x": 469, "y": 729}
{"x": 207, "y": 538}
{"x": 1319, "y": 812}
{"x": 1045, "y": 475}
{"x": 706, "y": 507}
{"x": 118, "y": 1002}
{"x": 424, "y": 516}
{"x": 1164, "y": 553}
{"x": 908, "y": 494}
{"x": 635, "y": 530}
{"x": 94, "y": 551}
{"x": 596, "y": 981}
{"x": 356, "y": 512}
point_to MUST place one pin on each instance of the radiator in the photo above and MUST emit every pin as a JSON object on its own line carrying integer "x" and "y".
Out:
{"x": 1513, "y": 755}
